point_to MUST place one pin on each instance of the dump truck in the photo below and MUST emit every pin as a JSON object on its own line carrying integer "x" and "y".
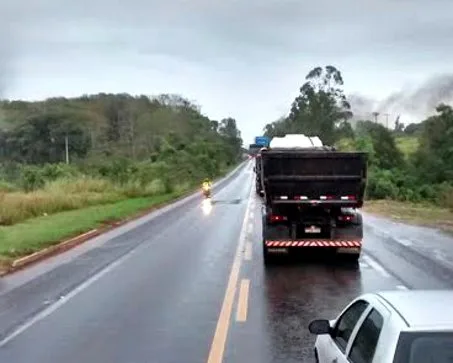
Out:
{"x": 312, "y": 196}
{"x": 257, "y": 168}
{"x": 254, "y": 149}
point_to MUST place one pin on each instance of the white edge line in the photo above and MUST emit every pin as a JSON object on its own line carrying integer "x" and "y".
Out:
{"x": 63, "y": 300}
{"x": 376, "y": 266}
{"x": 87, "y": 283}
{"x": 402, "y": 287}
{"x": 404, "y": 242}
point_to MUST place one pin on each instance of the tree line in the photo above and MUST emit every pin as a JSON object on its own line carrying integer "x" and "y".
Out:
{"x": 113, "y": 135}
{"x": 322, "y": 109}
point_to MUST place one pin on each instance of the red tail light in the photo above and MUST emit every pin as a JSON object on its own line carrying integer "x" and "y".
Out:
{"x": 277, "y": 218}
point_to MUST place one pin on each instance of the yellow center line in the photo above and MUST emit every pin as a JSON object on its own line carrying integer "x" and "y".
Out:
{"x": 243, "y": 301}
{"x": 220, "y": 336}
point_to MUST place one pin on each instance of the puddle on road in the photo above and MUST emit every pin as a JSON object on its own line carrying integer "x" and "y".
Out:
{"x": 231, "y": 201}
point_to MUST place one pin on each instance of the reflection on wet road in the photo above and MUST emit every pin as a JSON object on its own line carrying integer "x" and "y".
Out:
{"x": 206, "y": 206}
{"x": 189, "y": 285}
{"x": 285, "y": 297}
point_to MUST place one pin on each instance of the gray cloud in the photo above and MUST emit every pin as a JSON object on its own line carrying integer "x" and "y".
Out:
{"x": 7, "y": 58}
{"x": 239, "y": 28}
{"x": 415, "y": 102}
{"x": 246, "y": 57}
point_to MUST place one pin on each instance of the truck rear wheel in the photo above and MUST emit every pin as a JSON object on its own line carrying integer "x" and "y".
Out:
{"x": 266, "y": 256}
{"x": 353, "y": 258}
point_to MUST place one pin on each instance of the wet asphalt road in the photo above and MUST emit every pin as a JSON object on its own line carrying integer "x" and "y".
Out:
{"x": 187, "y": 284}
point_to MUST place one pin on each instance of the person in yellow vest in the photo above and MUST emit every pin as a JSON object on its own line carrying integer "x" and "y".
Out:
{"x": 206, "y": 187}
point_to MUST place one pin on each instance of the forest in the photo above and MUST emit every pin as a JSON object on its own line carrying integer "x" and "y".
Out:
{"x": 71, "y": 164}
{"x": 412, "y": 163}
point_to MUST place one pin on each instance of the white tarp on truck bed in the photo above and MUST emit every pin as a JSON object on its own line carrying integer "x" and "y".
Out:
{"x": 291, "y": 141}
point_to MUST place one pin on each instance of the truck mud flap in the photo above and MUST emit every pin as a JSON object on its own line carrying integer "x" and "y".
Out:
{"x": 277, "y": 250}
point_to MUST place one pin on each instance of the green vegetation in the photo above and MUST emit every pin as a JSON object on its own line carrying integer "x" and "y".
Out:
{"x": 412, "y": 164}
{"x": 37, "y": 233}
{"x": 408, "y": 145}
{"x": 125, "y": 154}
{"x": 415, "y": 213}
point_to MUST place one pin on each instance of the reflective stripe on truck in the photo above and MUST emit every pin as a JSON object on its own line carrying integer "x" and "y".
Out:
{"x": 315, "y": 243}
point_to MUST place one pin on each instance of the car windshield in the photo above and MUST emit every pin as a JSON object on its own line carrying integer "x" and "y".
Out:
{"x": 426, "y": 347}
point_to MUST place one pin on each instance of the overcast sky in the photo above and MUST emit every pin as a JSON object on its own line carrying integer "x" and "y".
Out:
{"x": 245, "y": 59}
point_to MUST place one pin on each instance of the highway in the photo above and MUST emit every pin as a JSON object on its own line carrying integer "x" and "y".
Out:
{"x": 187, "y": 284}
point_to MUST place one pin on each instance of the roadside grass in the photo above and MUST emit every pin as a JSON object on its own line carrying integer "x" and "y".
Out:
{"x": 413, "y": 213}
{"x": 37, "y": 233}
{"x": 407, "y": 144}
{"x": 69, "y": 194}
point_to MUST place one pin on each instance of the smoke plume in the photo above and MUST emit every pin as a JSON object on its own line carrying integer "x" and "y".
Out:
{"x": 414, "y": 104}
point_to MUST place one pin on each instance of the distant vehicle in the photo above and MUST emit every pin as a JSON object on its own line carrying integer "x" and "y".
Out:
{"x": 206, "y": 188}
{"x": 389, "y": 327}
{"x": 260, "y": 142}
{"x": 311, "y": 196}
{"x": 254, "y": 149}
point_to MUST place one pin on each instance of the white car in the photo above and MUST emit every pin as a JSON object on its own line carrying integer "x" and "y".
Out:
{"x": 389, "y": 327}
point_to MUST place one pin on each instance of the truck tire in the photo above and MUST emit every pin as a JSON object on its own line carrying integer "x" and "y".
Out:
{"x": 355, "y": 231}
{"x": 266, "y": 256}
{"x": 352, "y": 258}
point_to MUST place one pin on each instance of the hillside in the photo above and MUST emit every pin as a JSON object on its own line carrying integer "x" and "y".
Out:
{"x": 105, "y": 125}
{"x": 408, "y": 145}
{"x": 125, "y": 154}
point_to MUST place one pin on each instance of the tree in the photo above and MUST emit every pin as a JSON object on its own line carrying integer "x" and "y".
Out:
{"x": 434, "y": 158}
{"x": 41, "y": 139}
{"x": 399, "y": 126}
{"x": 104, "y": 126}
{"x": 386, "y": 154}
{"x": 345, "y": 130}
{"x": 413, "y": 129}
{"x": 320, "y": 109}
{"x": 277, "y": 128}
{"x": 229, "y": 131}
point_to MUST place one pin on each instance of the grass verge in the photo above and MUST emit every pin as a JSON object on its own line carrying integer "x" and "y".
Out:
{"x": 421, "y": 214}
{"x": 37, "y": 233}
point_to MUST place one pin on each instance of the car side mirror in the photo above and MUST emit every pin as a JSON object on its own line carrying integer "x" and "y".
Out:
{"x": 319, "y": 327}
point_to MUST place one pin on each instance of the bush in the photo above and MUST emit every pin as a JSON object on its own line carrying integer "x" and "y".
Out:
{"x": 31, "y": 178}
{"x": 81, "y": 185}
{"x": 428, "y": 192}
{"x": 53, "y": 188}
{"x": 446, "y": 196}
{"x": 56, "y": 171}
{"x": 6, "y": 187}
{"x": 381, "y": 186}
{"x": 56, "y": 196}
{"x": 155, "y": 187}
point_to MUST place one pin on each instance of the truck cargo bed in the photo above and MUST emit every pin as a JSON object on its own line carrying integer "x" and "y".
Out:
{"x": 314, "y": 176}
